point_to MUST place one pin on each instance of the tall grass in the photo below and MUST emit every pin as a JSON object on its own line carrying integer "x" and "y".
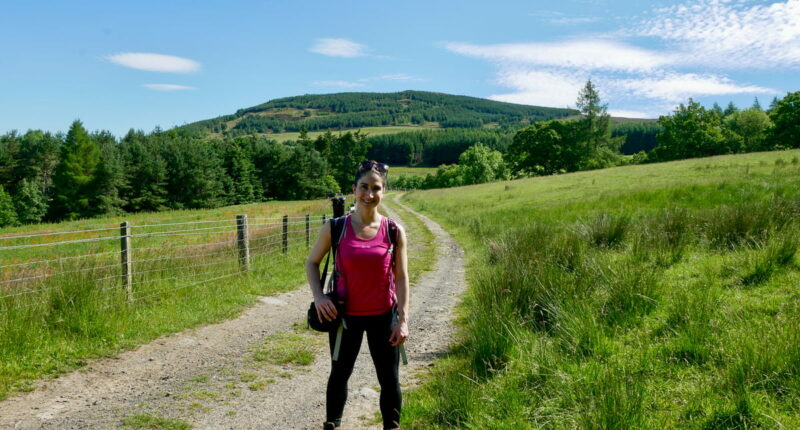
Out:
{"x": 611, "y": 300}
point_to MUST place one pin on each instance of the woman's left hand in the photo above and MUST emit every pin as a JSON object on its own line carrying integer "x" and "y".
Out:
{"x": 399, "y": 334}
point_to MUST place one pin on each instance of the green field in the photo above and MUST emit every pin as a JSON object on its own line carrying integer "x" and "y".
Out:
{"x": 412, "y": 171}
{"x": 369, "y": 131}
{"x": 649, "y": 296}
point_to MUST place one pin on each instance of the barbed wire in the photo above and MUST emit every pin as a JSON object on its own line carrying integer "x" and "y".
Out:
{"x": 183, "y": 257}
{"x": 57, "y": 233}
{"x": 36, "y": 245}
{"x": 61, "y": 259}
{"x": 191, "y": 245}
{"x": 183, "y": 223}
{"x": 50, "y": 275}
{"x": 163, "y": 233}
{"x": 177, "y": 268}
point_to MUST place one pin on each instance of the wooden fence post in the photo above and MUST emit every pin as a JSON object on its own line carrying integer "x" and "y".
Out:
{"x": 243, "y": 242}
{"x": 308, "y": 230}
{"x": 125, "y": 245}
{"x": 285, "y": 234}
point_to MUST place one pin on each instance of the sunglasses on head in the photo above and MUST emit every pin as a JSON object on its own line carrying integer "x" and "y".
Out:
{"x": 369, "y": 165}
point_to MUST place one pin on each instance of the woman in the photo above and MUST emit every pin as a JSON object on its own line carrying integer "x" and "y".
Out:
{"x": 374, "y": 284}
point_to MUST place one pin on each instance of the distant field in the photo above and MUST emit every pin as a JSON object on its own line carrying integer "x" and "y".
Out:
{"x": 649, "y": 296}
{"x": 371, "y": 131}
{"x": 414, "y": 171}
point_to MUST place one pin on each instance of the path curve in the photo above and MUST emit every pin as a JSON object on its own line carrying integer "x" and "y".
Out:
{"x": 201, "y": 375}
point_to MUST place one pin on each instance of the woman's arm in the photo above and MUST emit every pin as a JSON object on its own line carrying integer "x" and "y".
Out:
{"x": 325, "y": 307}
{"x": 400, "y": 331}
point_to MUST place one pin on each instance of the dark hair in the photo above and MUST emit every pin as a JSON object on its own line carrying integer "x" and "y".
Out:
{"x": 371, "y": 166}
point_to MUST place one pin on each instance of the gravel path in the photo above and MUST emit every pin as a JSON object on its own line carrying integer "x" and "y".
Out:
{"x": 214, "y": 378}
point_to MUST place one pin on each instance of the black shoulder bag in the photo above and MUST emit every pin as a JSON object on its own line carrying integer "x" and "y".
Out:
{"x": 337, "y": 231}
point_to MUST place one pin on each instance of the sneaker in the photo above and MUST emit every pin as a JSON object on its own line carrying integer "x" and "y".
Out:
{"x": 329, "y": 426}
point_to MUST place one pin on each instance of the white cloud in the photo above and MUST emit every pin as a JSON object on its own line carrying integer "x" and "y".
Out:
{"x": 345, "y": 84}
{"x": 168, "y": 87}
{"x": 597, "y": 54}
{"x": 154, "y": 62}
{"x": 622, "y": 113}
{"x": 339, "y": 48}
{"x": 730, "y": 34}
{"x": 679, "y": 87}
{"x": 542, "y": 88}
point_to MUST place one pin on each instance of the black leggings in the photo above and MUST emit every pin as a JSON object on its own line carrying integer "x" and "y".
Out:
{"x": 385, "y": 357}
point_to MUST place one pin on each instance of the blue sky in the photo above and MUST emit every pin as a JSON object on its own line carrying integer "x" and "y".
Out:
{"x": 118, "y": 65}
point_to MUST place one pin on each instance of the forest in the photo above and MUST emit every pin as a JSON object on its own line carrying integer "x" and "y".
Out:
{"x": 353, "y": 110}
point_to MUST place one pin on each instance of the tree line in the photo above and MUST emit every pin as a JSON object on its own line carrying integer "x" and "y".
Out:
{"x": 690, "y": 131}
{"x": 54, "y": 177}
{"x": 591, "y": 142}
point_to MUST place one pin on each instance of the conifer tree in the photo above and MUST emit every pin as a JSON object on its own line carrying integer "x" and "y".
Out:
{"x": 8, "y": 214}
{"x": 30, "y": 202}
{"x": 74, "y": 179}
{"x": 756, "y": 105}
{"x": 730, "y": 109}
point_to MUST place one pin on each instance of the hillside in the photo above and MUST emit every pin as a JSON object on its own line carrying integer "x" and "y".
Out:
{"x": 355, "y": 110}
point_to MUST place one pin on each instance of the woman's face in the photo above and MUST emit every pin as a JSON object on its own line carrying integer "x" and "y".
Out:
{"x": 369, "y": 190}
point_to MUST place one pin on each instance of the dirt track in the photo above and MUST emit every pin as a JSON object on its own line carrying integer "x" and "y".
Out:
{"x": 209, "y": 378}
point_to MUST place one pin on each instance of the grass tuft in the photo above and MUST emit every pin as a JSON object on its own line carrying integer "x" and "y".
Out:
{"x": 606, "y": 230}
{"x": 148, "y": 421}
{"x": 286, "y": 348}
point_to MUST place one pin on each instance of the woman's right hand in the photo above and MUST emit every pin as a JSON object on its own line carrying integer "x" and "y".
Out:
{"x": 325, "y": 308}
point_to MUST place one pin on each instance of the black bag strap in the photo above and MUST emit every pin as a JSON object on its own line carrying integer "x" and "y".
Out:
{"x": 337, "y": 232}
{"x": 392, "y": 227}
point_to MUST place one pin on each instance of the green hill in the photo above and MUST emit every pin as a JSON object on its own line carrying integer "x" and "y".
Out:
{"x": 355, "y": 110}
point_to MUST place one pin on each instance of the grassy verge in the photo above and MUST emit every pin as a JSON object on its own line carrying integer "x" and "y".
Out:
{"x": 74, "y": 309}
{"x": 421, "y": 247}
{"x": 657, "y": 296}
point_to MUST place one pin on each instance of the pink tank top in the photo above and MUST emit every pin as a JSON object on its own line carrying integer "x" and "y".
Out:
{"x": 366, "y": 280}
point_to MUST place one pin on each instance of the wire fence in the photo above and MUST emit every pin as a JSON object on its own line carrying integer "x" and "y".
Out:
{"x": 131, "y": 263}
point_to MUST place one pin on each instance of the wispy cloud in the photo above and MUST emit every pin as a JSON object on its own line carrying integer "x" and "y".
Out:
{"x": 679, "y": 87}
{"x": 154, "y": 62}
{"x": 571, "y": 20}
{"x": 393, "y": 77}
{"x": 597, "y": 54}
{"x": 729, "y": 34}
{"x": 168, "y": 87}
{"x": 339, "y": 48}
{"x": 723, "y": 35}
{"x": 561, "y": 18}
{"x": 343, "y": 84}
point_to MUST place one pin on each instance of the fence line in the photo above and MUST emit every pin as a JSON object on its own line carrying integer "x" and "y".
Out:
{"x": 290, "y": 233}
